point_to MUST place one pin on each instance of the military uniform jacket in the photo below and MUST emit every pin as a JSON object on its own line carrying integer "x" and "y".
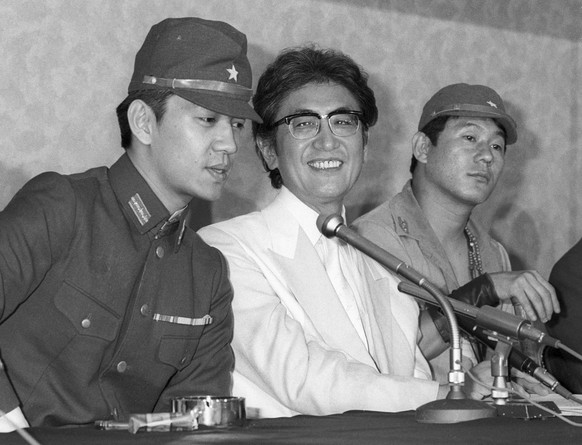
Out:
{"x": 106, "y": 307}
{"x": 400, "y": 227}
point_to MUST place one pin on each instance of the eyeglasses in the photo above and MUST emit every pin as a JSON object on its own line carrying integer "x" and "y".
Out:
{"x": 306, "y": 125}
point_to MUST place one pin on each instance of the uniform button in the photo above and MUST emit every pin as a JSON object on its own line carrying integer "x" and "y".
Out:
{"x": 145, "y": 310}
{"x": 160, "y": 252}
{"x": 86, "y": 323}
{"x": 122, "y": 366}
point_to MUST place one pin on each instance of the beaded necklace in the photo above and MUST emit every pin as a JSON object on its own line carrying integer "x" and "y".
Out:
{"x": 476, "y": 269}
{"x": 475, "y": 264}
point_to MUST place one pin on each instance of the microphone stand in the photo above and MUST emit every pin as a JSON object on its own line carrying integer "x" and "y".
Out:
{"x": 500, "y": 371}
{"x": 490, "y": 335}
{"x": 503, "y": 355}
{"x": 455, "y": 407}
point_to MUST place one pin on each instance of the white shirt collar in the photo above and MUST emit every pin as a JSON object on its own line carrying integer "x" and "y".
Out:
{"x": 305, "y": 215}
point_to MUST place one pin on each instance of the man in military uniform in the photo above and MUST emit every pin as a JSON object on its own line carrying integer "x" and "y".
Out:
{"x": 110, "y": 304}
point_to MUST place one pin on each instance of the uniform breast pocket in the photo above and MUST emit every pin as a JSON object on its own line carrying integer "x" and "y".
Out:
{"x": 87, "y": 315}
{"x": 178, "y": 351}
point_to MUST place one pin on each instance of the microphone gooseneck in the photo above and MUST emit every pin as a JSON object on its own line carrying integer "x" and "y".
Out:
{"x": 456, "y": 407}
{"x": 488, "y": 317}
{"x": 474, "y": 320}
{"x": 333, "y": 225}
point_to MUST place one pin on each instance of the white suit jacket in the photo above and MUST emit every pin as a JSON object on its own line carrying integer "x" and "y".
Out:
{"x": 296, "y": 350}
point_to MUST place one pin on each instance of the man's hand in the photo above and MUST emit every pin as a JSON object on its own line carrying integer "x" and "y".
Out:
{"x": 527, "y": 288}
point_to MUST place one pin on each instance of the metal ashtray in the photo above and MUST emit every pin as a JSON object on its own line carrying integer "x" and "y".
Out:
{"x": 215, "y": 411}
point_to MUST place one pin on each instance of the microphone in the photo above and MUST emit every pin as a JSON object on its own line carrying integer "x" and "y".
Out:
{"x": 333, "y": 225}
{"x": 474, "y": 320}
{"x": 486, "y": 317}
{"x": 516, "y": 359}
{"x": 455, "y": 407}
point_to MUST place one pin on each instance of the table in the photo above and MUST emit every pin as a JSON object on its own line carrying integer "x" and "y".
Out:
{"x": 353, "y": 427}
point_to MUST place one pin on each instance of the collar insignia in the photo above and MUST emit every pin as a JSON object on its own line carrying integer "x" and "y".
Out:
{"x": 403, "y": 224}
{"x": 140, "y": 210}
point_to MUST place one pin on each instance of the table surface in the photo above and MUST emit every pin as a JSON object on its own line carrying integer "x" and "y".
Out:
{"x": 365, "y": 427}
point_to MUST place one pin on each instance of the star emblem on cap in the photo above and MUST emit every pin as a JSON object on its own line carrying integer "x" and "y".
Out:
{"x": 492, "y": 104}
{"x": 233, "y": 73}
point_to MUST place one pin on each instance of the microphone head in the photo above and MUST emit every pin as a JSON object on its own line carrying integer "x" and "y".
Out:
{"x": 328, "y": 224}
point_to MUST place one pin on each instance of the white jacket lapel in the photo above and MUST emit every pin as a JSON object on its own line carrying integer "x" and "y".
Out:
{"x": 301, "y": 269}
{"x": 392, "y": 315}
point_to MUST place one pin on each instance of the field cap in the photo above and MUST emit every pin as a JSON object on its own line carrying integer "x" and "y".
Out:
{"x": 461, "y": 99}
{"x": 202, "y": 61}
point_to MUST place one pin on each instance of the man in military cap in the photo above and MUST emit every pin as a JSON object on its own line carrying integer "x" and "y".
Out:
{"x": 110, "y": 303}
{"x": 458, "y": 156}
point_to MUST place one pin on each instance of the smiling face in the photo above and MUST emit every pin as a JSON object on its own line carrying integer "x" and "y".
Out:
{"x": 320, "y": 170}
{"x": 188, "y": 152}
{"x": 467, "y": 160}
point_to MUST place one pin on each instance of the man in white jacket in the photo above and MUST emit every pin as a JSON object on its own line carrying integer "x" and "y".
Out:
{"x": 304, "y": 343}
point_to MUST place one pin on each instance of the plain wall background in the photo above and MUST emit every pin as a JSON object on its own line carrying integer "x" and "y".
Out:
{"x": 65, "y": 66}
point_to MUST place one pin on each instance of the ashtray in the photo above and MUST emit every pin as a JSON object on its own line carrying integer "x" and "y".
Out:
{"x": 213, "y": 411}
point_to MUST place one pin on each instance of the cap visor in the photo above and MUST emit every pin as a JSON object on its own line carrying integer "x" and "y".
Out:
{"x": 505, "y": 121}
{"x": 220, "y": 104}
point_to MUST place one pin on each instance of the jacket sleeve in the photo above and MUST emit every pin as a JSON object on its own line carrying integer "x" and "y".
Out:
{"x": 477, "y": 292}
{"x": 35, "y": 229}
{"x": 566, "y": 277}
{"x": 291, "y": 364}
{"x": 210, "y": 372}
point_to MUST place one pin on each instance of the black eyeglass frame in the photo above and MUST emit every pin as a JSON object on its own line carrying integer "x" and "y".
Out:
{"x": 287, "y": 119}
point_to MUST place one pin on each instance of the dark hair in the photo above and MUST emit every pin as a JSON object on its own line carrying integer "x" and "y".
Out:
{"x": 432, "y": 130}
{"x": 155, "y": 99}
{"x": 293, "y": 69}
